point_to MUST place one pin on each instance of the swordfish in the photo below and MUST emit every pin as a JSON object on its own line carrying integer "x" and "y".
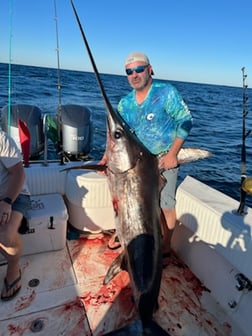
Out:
{"x": 133, "y": 179}
{"x": 134, "y": 182}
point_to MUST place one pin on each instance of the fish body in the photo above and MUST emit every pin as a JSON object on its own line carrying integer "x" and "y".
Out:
{"x": 133, "y": 178}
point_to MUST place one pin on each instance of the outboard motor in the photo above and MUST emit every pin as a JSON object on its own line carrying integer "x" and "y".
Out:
{"x": 32, "y": 116}
{"x": 76, "y": 130}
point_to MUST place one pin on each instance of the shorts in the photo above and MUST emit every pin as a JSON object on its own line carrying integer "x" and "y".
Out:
{"x": 167, "y": 195}
{"x": 22, "y": 204}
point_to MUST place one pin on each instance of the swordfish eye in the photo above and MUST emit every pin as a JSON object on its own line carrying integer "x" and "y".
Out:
{"x": 118, "y": 134}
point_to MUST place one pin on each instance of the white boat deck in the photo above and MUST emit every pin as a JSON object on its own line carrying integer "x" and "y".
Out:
{"x": 70, "y": 298}
{"x": 62, "y": 288}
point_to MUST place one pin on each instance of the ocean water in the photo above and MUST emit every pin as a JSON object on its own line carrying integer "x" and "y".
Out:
{"x": 217, "y": 112}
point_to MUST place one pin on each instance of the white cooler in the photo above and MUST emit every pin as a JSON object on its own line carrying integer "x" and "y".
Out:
{"x": 89, "y": 201}
{"x": 47, "y": 220}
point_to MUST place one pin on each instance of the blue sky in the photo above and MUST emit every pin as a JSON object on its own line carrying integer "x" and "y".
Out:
{"x": 204, "y": 41}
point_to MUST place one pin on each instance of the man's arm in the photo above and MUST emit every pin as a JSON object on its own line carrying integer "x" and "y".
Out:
{"x": 169, "y": 160}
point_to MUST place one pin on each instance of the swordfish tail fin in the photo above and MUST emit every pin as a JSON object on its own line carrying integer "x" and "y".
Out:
{"x": 186, "y": 155}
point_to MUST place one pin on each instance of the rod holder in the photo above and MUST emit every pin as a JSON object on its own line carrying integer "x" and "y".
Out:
{"x": 245, "y": 133}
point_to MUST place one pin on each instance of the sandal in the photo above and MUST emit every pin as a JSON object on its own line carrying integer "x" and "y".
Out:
{"x": 9, "y": 287}
{"x": 114, "y": 242}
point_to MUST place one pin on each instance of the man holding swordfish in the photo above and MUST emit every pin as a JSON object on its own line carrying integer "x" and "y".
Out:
{"x": 157, "y": 114}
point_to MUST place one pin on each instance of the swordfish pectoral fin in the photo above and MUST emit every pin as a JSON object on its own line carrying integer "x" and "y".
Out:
{"x": 115, "y": 268}
{"x": 135, "y": 328}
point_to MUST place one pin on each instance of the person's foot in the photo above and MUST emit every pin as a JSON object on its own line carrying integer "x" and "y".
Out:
{"x": 11, "y": 288}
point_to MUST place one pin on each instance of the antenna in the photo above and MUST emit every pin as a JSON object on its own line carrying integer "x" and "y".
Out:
{"x": 243, "y": 149}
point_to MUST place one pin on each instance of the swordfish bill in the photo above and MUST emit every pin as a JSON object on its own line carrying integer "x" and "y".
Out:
{"x": 133, "y": 179}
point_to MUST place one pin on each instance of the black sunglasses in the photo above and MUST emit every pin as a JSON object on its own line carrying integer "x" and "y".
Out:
{"x": 137, "y": 69}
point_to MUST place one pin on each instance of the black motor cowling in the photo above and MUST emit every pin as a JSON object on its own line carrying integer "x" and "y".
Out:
{"x": 32, "y": 116}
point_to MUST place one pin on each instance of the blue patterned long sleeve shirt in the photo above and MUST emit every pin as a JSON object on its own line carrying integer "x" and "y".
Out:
{"x": 159, "y": 119}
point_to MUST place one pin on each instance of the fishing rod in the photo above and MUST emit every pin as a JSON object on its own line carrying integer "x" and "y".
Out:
{"x": 24, "y": 134}
{"x": 57, "y": 50}
{"x": 245, "y": 133}
{"x": 9, "y": 67}
{"x": 59, "y": 116}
